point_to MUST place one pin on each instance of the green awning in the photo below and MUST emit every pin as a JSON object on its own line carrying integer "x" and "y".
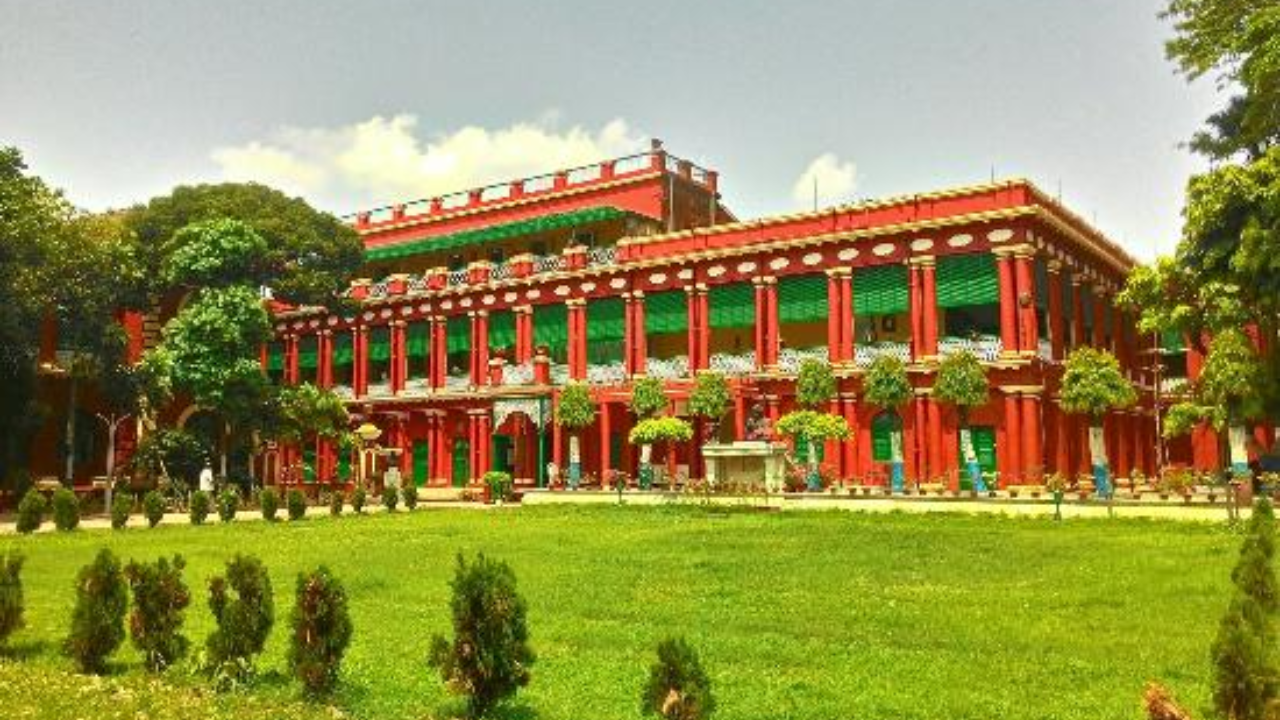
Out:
{"x": 551, "y": 327}
{"x": 342, "y": 350}
{"x": 308, "y": 352}
{"x": 380, "y": 344}
{"x": 275, "y": 357}
{"x": 803, "y": 298}
{"x": 418, "y": 339}
{"x": 966, "y": 280}
{"x": 606, "y": 320}
{"x": 666, "y": 312}
{"x": 732, "y": 305}
{"x": 502, "y": 329}
{"x": 880, "y": 290}
{"x": 494, "y": 233}
{"x": 458, "y": 334}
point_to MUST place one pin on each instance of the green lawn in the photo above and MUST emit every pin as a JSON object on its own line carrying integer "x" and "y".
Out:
{"x": 797, "y": 615}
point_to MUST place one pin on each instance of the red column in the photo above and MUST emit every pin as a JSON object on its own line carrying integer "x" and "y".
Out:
{"x": 704, "y": 328}
{"x": 324, "y": 359}
{"x": 524, "y": 333}
{"x": 557, "y": 452}
{"x": 360, "y": 363}
{"x": 1055, "y": 310}
{"x": 399, "y": 361}
{"x": 1008, "y": 305}
{"x": 691, "y": 319}
{"x": 933, "y": 438}
{"x": 628, "y": 334}
{"x": 473, "y": 447}
{"x": 833, "y": 452}
{"x": 761, "y": 335}
{"x": 291, "y": 360}
{"x": 863, "y": 455}
{"x": 833, "y": 317}
{"x": 1099, "y": 312}
{"x": 739, "y": 414}
{"x": 850, "y": 445}
{"x": 1028, "y": 328}
{"x": 915, "y": 310}
{"x": 919, "y": 440}
{"x": 640, "y": 346}
{"x": 1077, "y": 313}
{"x": 1032, "y": 452}
{"x": 606, "y": 450}
{"x": 772, "y": 412}
{"x": 1012, "y": 474}
{"x": 846, "y": 313}
{"x": 929, "y": 315}
{"x": 486, "y": 443}
{"x": 771, "y": 321}
{"x": 1061, "y": 441}
{"x": 577, "y": 310}
{"x": 1124, "y": 450}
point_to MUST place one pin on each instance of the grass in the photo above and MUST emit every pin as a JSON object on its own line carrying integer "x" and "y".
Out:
{"x": 796, "y": 615}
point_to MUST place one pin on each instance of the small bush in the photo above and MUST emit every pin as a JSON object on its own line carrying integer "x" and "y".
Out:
{"x": 358, "y": 497}
{"x": 228, "y": 504}
{"x": 336, "y": 501}
{"x": 490, "y": 657}
{"x": 390, "y": 498}
{"x": 11, "y": 601}
{"x": 1244, "y": 681}
{"x": 321, "y": 631}
{"x": 159, "y": 599}
{"x": 409, "y": 494}
{"x": 243, "y": 609}
{"x": 31, "y": 511}
{"x": 97, "y": 623}
{"x": 296, "y": 504}
{"x": 269, "y": 503}
{"x": 66, "y": 509}
{"x": 153, "y": 507}
{"x": 121, "y": 508}
{"x": 678, "y": 688}
{"x": 200, "y": 502}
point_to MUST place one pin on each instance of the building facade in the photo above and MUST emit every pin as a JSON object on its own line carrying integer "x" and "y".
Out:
{"x": 487, "y": 302}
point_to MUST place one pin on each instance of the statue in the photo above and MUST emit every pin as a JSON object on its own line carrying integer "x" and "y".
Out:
{"x": 757, "y": 425}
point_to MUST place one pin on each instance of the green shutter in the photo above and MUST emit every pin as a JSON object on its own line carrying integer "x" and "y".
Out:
{"x": 551, "y": 327}
{"x": 1171, "y": 341}
{"x": 309, "y": 464}
{"x": 344, "y": 464}
{"x": 502, "y": 329}
{"x": 380, "y": 344}
{"x": 418, "y": 339}
{"x": 984, "y": 447}
{"x": 666, "y": 312}
{"x": 420, "y": 462}
{"x": 732, "y": 305}
{"x": 275, "y": 357}
{"x": 803, "y": 298}
{"x": 880, "y": 290}
{"x": 966, "y": 280}
{"x": 342, "y": 349}
{"x": 882, "y": 427}
{"x": 308, "y": 352}
{"x": 606, "y": 321}
{"x": 458, "y": 334}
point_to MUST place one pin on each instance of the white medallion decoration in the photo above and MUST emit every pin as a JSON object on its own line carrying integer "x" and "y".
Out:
{"x": 716, "y": 271}
{"x": 446, "y": 305}
{"x": 883, "y": 249}
{"x": 999, "y": 236}
{"x": 561, "y": 290}
{"x": 685, "y": 274}
{"x": 959, "y": 241}
{"x": 510, "y": 297}
{"x": 588, "y": 287}
{"x": 658, "y": 278}
{"x": 921, "y": 245}
{"x": 488, "y": 299}
{"x": 465, "y": 302}
{"x": 779, "y": 263}
{"x": 333, "y": 321}
{"x": 533, "y": 294}
{"x": 811, "y": 259}
{"x": 368, "y": 316}
{"x": 406, "y": 310}
{"x": 618, "y": 283}
{"x": 314, "y": 324}
{"x": 746, "y": 267}
{"x": 847, "y": 254}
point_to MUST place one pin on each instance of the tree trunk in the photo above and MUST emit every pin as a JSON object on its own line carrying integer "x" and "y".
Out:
{"x": 897, "y": 472}
{"x": 71, "y": 432}
{"x": 646, "y": 467}
{"x": 814, "y": 480}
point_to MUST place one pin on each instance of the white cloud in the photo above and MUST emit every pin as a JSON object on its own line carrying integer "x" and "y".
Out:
{"x": 388, "y": 159}
{"x": 835, "y": 180}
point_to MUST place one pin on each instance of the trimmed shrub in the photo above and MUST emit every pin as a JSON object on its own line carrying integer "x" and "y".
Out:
{"x": 336, "y": 501}
{"x": 490, "y": 657}
{"x": 390, "y": 498}
{"x": 159, "y": 599}
{"x": 31, "y": 511}
{"x": 200, "y": 502}
{"x": 321, "y": 631}
{"x": 121, "y": 509}
{"x": 296, "y": 504}
{"x": 358, "y": 497}
{"x": 678, "y": 688}
{"x": 97, "y": 623}
{"x": 242, "y": 606}
{"x": 409, "y": 494}
{"x": 153, "y": 507}
{"x": 66, "y": 509}
{"x": 228, "y": 504}
{"x": 11, "y": 601}
{"x": 269, "y": 503}
{"x": 1245, "y": 672}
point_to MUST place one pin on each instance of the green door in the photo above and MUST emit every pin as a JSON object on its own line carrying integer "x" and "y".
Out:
{"x": 984, "y": 446}
{"x": 420, "y": 463}
{"x": 882, "y": 428}
{"x": 502, "y": 453}
{"x": 461, "y": 464}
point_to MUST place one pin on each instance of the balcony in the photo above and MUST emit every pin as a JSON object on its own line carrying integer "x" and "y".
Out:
{"x": 379, "y": 390}
{"x": 732, "y": 365}
{"x": 864, "y": 355}
{"x": 669, "y": 368}
{"x": 521, "y": 374}
{"x": 790, "y": 359}
{"x": 614, "y": 373}
{"x": 985, "y": 347}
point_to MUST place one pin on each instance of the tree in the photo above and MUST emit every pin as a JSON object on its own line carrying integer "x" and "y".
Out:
{"x": 815, "y": 385}
{"x": 214, "y": 254}
{"x": 12, "y": 603}
{"x": 962, "y": 383}
{"x": 648, "y": 397}
{"x": 321, "y": 630}
{"x": 653, "y": 431}
{"x": 575, "y": 412}
{"x": 1093, "y": 385}
{"x": 490, "y": 657}
{"x": 309, "y": 256}
{"x": 678, "y": 688}
{"x": 97, "y": 622}
{"x": 813, "y": 428}
{"x": 307, "y": 411}
{"x": 244, "y": 619}
{"x": 887, "y": 386}
{"x": 709, "y": 401}
{"x": 1246, "y": 682}
{"x": 159, "y": 599}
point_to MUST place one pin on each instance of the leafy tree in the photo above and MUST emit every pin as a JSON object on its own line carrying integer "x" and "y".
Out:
{"x": 159, "y": 599}
{"x": 575, "y": 412}
{"x": 653, "y": 431}
{"x": 1093, "y": 385}
{"x": 710, "y": 398}
{"x": 215, "y": 253}
{"x": 321, "y": 625}
{"x": 97, "y": 622}
{"x": 306, "y": 411}
{"x": 815, "y": 385}
{"x": 11, "y": 600}
{"x": 490, "y": 657}
{"x": 243, "y": 608}
{"x": 887, "y": 386}
{"x": 962, "y": 383}
{"x": 1246, "y": 682}
{"x": 309, "y": 256}
{"x": 648, "y": 397}
{"x": 813, "y": 428}
{"x": 678, "y": 688}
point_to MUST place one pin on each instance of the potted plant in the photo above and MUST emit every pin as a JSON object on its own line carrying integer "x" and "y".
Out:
{"x": 648, "y": 400}
{"x": 709, "y": 402}
{"x": 1056, "y": 484}
{"x": 962, "y": 383}
{"x": 813, "y": 428}
{"x": 575, "y": 412}
{"x": 886, "y": 385}
{"x": 497, "y": 487}
{"x": 1092, "y": 385}
{"x": 651, "y": 431}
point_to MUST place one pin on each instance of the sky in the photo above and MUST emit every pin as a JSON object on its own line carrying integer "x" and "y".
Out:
{"x": 356, "y": 105}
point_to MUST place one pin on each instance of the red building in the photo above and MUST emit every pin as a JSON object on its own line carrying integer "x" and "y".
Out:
{"x": 489, "y": 301}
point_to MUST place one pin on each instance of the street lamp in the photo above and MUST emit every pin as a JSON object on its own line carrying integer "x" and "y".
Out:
{"x": 368, "y": 435}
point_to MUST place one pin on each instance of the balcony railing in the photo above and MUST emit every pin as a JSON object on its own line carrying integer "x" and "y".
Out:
{"x": 985, "y": 348}
{"x": 548, "y": 263}
{"x": 559, "y": 374}
{"x": 668, "y": 368}
{"x": 790, "y": 359}
{"x": 379, "y": 390}
{"x": 343, "y": 391}
{"x": 500, "y": 271}
{"x": 457, "y": 382}
{"x": 378, "y": 290}
{"x": 417, "y": 284}
{"x": 734, "y": 365}
{"x": 521, "y": 374}
{"x": 613, "y": 373}
{"x": 457, "y": 277}
{"x": 1173, "y": 385}
{"x": 604, "y": 256}
{"x": 864, "y": 355}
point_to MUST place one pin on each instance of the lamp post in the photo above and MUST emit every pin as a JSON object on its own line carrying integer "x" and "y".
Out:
{"x": 368, "y": 435}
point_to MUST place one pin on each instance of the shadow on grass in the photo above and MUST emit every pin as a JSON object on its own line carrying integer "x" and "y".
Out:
{"x": 27, "y": 650}
{"x": 515, "y": 710}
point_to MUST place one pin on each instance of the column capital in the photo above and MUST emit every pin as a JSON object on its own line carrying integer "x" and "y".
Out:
{"x": 574, "y": 302}
{"x": 921, "y": 260}
{"x": 1053, "y": 266}
{"x": 836, "y": 272}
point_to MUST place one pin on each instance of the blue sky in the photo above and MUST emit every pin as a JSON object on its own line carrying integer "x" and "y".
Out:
{"x": 355, "y": 104}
